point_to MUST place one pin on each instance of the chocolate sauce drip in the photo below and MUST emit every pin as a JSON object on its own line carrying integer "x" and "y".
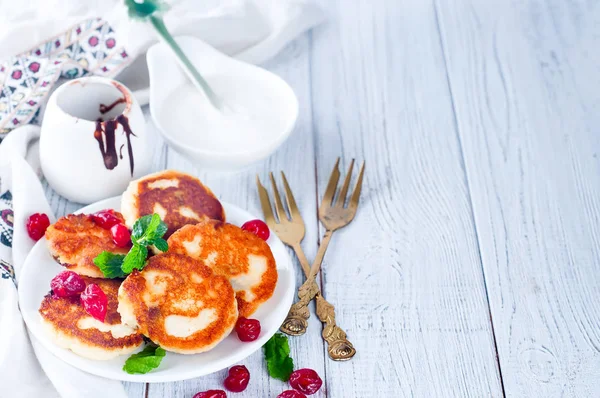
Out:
{"x": 108, "y": 147}
{"x": 121, "y": 151}
{"x": 108, "y": 108}
{"x": 128, "y": 133}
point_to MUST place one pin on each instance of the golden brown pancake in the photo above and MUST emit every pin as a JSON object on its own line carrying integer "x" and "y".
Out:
{"x": 71, "y": 327}
{"x": 244, "y": 258}
{"x": 178, "y": 198}
{"x": 179, "y": 304}
{"x": 75, "y": 240}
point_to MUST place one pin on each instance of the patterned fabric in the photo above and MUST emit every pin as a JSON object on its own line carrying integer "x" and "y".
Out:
{"x": 89, "y": 47}
{"x": 6, "y": 219}
{"x": 7, "y": 271}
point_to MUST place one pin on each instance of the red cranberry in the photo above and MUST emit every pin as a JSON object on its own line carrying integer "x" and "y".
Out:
{"x": 238, "y": 379}
{"x": 306, "y": 381}
{"x": 37, "y": 225}
{"x": 120, "y": 235}
{"x": 105, "y": 218}
{"x": 94, "y": 301}
{"x": 247, "y": 329}
{"x": 67, "y": 284}
{"x": 211, "y": 394}
{"x": 258, "y": 228}
{"x": 291, "y": 394}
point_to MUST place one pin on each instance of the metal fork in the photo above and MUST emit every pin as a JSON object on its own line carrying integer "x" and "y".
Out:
{"x": 291, "y": 231}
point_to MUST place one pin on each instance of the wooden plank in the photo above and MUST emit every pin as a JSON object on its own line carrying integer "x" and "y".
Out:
{"x": 296, "y": 158}
{"x": 406, "y": 276}
{"x": 524, "y": 78}
{"x": 135, "y": 390}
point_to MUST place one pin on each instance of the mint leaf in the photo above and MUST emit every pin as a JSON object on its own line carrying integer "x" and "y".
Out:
{"x": 281, "y": 369}
{"x": 279, "y": 364}
{"x": 135, "y": 259}
{"x": 151, "y": 228}
{"x": 147, "y": 229}
{"x": 161, "y": 229}
{"x": 140, "y": 227}
{"x": 110, "y": 264}
{"x": 146, "y": 360}
{"x": 161, "y": 244}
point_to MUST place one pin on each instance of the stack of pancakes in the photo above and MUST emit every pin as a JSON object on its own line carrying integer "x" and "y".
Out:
{"x": 186, "y": 300}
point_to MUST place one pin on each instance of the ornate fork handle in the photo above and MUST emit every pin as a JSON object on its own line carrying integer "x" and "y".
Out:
{"x": 339, "y": 347}
{"x": 296, "y": 322}
{"x": 297, "y": 319}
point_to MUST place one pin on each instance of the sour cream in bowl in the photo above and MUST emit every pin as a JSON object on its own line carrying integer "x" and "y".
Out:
{"x": 259, "y": 108}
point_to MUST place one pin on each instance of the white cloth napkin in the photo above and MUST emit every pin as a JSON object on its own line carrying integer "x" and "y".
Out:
{"x": 252, "y": 30}
{"x": 22, "y": 375}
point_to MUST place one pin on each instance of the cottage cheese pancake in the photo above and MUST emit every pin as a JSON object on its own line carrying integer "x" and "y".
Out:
{"x": 178, "y": 199}
{"x": 75, "y": 240}
{"x": 179, "y": 303}
{"x": 71, "y": 327}
{"x": 242, "y": 257}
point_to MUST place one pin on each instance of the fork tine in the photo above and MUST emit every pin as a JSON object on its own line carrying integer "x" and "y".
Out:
{"x": 265, "y": 203}
{"x": 344, "y": 191}
{"x": 291, "y": 202}
{"x": 331, "y": 185}
{"x": 278, "y": 204}
{"x": 356, "y": 193}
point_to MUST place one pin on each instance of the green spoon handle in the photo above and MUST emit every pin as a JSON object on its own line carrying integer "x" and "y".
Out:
{"x": 158, "y": 24}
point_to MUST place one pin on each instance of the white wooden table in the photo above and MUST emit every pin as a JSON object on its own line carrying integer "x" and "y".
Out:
{"x": 472, "y": 267}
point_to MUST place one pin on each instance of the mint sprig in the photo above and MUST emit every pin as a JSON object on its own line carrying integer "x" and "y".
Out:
{"x": 161, "y": 245}
{"x": 147, "y": 231}
{"x": 277, "y": 354}
{"x": 135, "y": 259}
{"x": 110, "y": 264}
{"x": 144, "y": 361}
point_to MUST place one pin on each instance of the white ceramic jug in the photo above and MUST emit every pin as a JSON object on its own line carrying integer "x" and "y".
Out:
{"x": 93, "y": 140}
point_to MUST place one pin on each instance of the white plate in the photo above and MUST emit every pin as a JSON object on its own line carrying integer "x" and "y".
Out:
{"x": 40, "y": 268}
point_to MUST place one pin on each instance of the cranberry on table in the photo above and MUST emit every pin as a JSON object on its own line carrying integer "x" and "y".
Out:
{"x": 120, "y": 235}
{"x": 247, "y": 329}
{"x": 37, "y": 225}
{"x": 105, "y": 218}
{"x": 94, "y": 301}
{"x": 211, "y": 394}
{"x": 238, "y": 379}
{"x": 67, "y": 284}
{"x": 291, "y": 394}
{"x": 306, "y": 381}
{"x": 258, "y": 228}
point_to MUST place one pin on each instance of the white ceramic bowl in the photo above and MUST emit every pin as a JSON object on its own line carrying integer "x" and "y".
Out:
{"x": 166, "y": 76}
